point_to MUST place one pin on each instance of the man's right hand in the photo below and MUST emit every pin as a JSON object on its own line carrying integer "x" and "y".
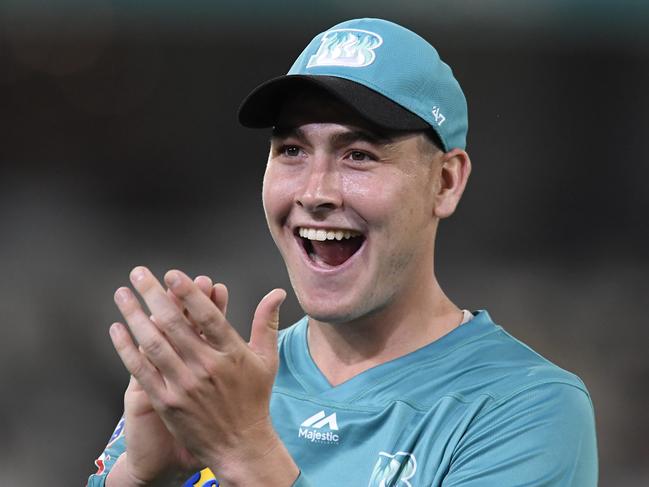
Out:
{"x": 153, "y": 457}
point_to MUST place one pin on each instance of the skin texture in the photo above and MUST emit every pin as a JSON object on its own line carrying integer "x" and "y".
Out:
{"x": 187, "y": 389}
{"x": 186, "y": 406}
{"x": 385, "y": 301}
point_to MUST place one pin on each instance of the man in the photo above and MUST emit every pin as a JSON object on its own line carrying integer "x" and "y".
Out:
{"x": 385, "y": 382}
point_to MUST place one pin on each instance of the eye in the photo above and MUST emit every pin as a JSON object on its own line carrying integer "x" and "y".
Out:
{"x": 359, "y": 156}
{"x": 290, "y": 150}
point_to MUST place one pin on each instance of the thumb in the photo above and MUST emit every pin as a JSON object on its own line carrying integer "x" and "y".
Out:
{"x": 265, "y": 324}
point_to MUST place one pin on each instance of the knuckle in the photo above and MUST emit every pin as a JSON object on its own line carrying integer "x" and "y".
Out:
{"x": 191, "y": 386}
{"x": 153, "y": 347}
{"x": 168, "y": 316}
{"x": 210, "y": 369}
{"x": 174, "y": 327}
{"x": 137, "y": 369}
{"x": 204, "y": 316}
{"x": 170, "y": 403}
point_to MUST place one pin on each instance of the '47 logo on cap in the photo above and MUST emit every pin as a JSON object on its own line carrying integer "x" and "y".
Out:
{"x": 353, "y": 48}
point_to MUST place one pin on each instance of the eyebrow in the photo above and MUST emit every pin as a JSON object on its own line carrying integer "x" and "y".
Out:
{"x": 341, "y": 138}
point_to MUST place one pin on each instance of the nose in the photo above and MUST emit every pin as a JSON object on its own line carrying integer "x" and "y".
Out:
{"x": 321, "y": 190}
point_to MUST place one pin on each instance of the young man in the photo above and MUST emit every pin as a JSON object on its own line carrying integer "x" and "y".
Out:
{"x": 385, "y": 382}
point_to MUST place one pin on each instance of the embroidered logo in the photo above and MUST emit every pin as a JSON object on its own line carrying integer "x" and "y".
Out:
{"x": 320, "y": 428}
{"x": 393, "y": 470}
{"x": 439, "y": 117}
{"x": 352, "y": 48}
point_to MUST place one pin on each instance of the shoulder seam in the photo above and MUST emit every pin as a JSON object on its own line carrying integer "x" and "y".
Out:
{"x": 498, "y": 402}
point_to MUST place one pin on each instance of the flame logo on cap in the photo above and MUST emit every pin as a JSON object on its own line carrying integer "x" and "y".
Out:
{"x": 353, "y": 48}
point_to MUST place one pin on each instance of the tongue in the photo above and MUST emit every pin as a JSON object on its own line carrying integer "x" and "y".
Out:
{"x": 335, "y": 252}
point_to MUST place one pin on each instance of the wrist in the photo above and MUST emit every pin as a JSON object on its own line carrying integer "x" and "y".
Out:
{"x": 264, "y": 463}
{"x": 121, "y": 475}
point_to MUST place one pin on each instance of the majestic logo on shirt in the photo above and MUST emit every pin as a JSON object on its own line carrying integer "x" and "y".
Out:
{"x": 320, "y": 428}
{"x": 393, "y": 470}
{"x": 351, "y": 48}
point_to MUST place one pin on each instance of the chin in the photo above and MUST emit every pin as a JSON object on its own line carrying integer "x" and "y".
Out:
{"x": 324, "y": 309}
{"x": 332, "y": 309}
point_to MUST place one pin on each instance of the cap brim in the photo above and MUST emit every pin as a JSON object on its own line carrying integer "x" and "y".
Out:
{"x": 261, "y": 107}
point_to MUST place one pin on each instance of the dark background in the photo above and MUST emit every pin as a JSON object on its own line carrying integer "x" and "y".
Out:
{"x": 119, "y": 146}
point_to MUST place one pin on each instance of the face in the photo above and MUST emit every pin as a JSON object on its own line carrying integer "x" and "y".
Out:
{"x": 350, "y": 208}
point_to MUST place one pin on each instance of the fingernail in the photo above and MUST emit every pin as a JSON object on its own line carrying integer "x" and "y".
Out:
{"x": 121, "y": 295}
{"x": 114, "y": 330}
{"x": 172, "y": 278}
{"x": 281, "y": 301}
{"x": 137, "y": 274}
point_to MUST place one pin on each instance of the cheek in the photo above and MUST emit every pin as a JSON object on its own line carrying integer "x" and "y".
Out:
{"x": 276, "y": 195}
{"x": 368, "y": 195}
{"x": 382, "y": 199}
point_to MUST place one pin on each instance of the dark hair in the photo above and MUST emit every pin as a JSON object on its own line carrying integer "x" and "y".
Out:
{"x": 434, "y": 139}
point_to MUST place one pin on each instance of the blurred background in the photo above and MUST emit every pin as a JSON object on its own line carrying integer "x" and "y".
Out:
{"x": 119, "y": 146}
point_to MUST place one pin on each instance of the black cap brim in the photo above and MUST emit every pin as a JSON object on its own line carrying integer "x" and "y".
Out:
{"x": 261, "y": 107}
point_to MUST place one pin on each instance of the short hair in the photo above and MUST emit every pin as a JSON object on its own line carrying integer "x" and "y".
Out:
{"x": 434, "y": 139}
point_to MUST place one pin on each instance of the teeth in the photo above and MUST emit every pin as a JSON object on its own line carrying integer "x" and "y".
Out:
{"x": 322, "y": 235}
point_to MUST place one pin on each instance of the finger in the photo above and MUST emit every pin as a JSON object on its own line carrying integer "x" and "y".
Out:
{"x": 220, "y": 296}
{"x": 172, "y": 297}
{"x": 134, "y": 385}
{"x": 169, "y": 317}
{"x": 178, "y": 303}
{"x": 144, "y": 373}
{"x": 204, "y": 283}
{"x": 265, "y": 325}
{"x": 203, "y": 311}
{"x": 153, "y": 343}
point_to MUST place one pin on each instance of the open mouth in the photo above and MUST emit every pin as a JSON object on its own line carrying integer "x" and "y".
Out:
{"x": 331, "y": 247}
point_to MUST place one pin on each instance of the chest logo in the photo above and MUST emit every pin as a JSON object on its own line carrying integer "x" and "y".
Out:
{"x": 393, "y": 470}
{"x": 351, "y": 48}
{"x": 320, "y": 428}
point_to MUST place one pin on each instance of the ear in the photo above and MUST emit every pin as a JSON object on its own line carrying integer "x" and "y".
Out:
{"x": 454, "y": 174}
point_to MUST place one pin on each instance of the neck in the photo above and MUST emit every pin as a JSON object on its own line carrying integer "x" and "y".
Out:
{"x": 417, "y": 317}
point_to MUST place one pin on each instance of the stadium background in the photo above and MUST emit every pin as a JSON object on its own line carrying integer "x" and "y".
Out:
{"x": 119, "y": 146}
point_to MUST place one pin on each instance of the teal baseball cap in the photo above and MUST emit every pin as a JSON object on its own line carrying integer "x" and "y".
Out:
{"x": 387, "y": 73}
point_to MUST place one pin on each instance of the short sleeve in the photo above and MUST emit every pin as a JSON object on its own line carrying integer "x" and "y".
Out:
{"x": 115, "y": 447}
{"x": 544, "y": 435}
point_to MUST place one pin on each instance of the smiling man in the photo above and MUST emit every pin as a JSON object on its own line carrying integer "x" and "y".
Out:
{"x": 385, "y": 382}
